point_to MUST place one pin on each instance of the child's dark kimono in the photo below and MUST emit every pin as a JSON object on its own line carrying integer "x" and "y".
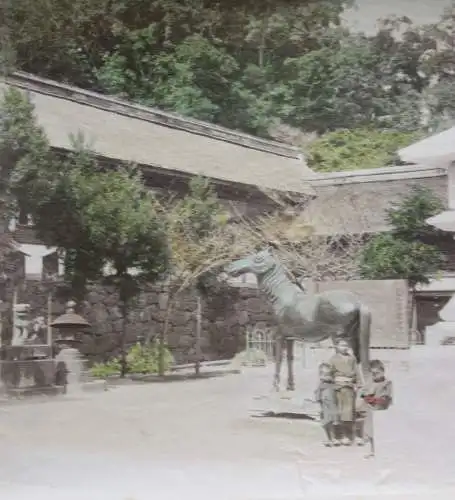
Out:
{"x": 326, "y": 397}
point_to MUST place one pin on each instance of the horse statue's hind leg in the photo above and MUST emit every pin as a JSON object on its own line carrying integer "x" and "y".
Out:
{"x": 279, "y": 344}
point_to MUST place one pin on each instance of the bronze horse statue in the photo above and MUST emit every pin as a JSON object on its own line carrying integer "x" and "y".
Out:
{"x": 300, "y": 316}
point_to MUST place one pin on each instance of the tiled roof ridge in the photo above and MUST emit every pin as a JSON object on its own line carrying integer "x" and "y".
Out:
{"x": 384, "y": 174}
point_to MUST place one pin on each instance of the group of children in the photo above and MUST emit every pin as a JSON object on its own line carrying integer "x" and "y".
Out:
{"x": 347, "y": 403}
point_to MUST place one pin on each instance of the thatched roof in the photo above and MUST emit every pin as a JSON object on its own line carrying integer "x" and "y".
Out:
{"x": 120, "y": 130}
{"x": 345, "y": 202}
{"x": 356, "y": 202}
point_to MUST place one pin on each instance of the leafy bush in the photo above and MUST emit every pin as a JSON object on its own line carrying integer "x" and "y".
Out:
{"x": 104, "y": 370}
{"x": 145, "y": 358}
{"x": 140, "y": 359}
{"x": 387, "y": 256}
{"x": 357, "y": 149}
{"x": 406, "y": 251}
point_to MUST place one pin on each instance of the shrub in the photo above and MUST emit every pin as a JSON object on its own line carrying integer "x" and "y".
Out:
{"x": 250, "y": 357}
{"x": 104, "y": 370}
{"x": 145, "y": 358}
{"x": 141, "y": 359}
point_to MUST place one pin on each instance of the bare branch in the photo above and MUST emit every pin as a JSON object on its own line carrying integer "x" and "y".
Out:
{"x": 321, "y": 241}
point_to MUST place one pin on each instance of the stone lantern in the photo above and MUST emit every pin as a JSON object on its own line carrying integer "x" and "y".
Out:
{"x": 70, "y": 327}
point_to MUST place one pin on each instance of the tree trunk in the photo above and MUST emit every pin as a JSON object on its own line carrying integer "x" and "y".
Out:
{"x": 197, "y": 342}
{"x": 414, "y": 334}
{"x": 161, "y": 350}
{"x": 124, "y": 309}
{"x": 263, "y": 39}
{"x": 163, "y": 335}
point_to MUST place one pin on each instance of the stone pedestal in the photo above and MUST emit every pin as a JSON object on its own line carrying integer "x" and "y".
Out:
{"x": 73, "y": 363}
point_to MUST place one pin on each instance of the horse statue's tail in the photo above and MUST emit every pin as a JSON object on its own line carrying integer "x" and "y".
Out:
{"x": 360, "y": 338}
{"x": 363, "y": 339}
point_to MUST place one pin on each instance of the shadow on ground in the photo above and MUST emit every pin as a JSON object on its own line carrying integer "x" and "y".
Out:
{"x": 178, "y": 377}
{"x": 285, "y": 415}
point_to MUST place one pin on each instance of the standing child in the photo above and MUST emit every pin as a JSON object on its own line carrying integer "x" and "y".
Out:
{"x": 345, "y": 371}
{"x": 376, "y": 395}
{"x": 325, "y": 396}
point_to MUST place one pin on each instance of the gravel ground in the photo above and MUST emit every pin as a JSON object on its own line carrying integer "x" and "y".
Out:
{"x": 207, "y": 439}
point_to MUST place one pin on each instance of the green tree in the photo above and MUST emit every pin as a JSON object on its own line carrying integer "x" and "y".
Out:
{"x": 358, "y": 148}
{"x": 407, "y": 251}
{"x": 422, "y": 56}
{"x": 125, "y": 231}
{"x": 210, "y": 60}
{"x": 344, "y": 85}
{"x": 266, "y": 33}
{"x": 21, "y": 140}
{"x": 195, "y": 78}
{"x": 440, "y": 99}
{"x": 96, "y": 217}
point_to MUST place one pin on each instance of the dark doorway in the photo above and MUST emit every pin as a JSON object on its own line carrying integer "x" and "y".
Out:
{"x": 428, "y": 308}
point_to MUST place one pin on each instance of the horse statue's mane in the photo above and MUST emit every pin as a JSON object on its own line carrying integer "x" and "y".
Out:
{"x": 292, "y": 277}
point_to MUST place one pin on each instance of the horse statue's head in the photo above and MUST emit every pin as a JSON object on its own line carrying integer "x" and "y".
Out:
{"x": 258, "y": 263}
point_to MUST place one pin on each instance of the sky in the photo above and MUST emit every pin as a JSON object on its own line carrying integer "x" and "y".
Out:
{"x": 364, "y": 16}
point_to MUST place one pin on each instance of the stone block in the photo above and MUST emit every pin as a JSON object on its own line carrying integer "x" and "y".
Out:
{"x": 99, "y": 312}
{"x": 163, "y": 300}
{"x": 182, "y": 318}
{"x": 243, "y": 317}
{"x": 254, "y": 305}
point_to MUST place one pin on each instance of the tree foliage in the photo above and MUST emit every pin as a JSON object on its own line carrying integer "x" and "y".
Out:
{"x": 407, "y": 251}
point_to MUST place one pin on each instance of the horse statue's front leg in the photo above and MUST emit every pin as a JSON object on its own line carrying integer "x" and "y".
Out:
{"x": 278, "y": 361}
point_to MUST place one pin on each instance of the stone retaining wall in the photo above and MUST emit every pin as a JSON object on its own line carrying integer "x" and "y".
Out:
{"x": 226, "y": 315}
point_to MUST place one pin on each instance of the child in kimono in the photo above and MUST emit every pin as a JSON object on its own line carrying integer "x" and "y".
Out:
{"x": 345, "y": 372}
{"x": 375, "y": 396}
{"x": 325, "y": 396}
